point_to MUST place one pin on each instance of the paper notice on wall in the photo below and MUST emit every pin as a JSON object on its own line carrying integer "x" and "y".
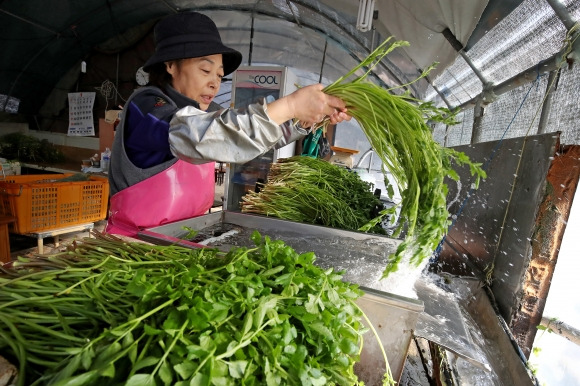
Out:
{"x": 81, "y": 113}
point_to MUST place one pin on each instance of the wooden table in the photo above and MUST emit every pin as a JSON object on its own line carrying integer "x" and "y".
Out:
{"x": 5, "y": 237}
{"x": 55, "y": 233}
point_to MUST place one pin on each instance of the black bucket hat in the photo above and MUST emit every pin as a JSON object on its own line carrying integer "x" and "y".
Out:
{"x": 190, "y": 35}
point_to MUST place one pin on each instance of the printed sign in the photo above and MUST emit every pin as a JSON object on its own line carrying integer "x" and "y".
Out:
{"x": 259, "y": 79}
{"x": 81, "y": 113}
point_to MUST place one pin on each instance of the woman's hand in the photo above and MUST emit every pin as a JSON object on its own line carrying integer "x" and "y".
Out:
{"x": 310, "y": 106}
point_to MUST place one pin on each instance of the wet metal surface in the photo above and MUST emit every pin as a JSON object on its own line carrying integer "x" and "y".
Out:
{"x": 442, "y": 323}
{"x": 363, "y": 256}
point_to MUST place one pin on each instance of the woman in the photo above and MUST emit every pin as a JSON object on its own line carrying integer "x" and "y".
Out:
{"x": 162, "y": 167}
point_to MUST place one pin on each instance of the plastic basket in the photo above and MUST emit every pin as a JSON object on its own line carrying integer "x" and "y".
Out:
{"x": 39, "y": 202}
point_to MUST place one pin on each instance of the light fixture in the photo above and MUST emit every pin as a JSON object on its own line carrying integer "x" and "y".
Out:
{"x": 365, "y": 15}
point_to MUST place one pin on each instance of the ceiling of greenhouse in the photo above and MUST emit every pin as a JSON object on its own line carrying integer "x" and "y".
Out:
{"x": 43, "y": 40}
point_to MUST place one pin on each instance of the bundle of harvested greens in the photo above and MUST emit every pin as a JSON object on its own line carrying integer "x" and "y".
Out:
{"x": 313, "y": 191}
{"x": 396, "y": 128}
{"x": 111, "y": 312}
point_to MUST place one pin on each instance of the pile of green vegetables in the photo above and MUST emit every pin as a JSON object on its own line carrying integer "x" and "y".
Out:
{"x": 111, "y": 312}
{"x": 313, "y": 191}
{"x": 396, "y": 128}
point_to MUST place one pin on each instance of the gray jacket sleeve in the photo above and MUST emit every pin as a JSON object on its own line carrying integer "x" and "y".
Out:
{"x": 228, "y": 135}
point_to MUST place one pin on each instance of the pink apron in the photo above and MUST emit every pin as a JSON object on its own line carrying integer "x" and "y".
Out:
{"x": 182, "y": 191}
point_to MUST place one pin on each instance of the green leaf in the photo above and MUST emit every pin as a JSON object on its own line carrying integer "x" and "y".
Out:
{"x": 128, "y": 339}
{"x": 272, "y": 271}
{"x": 185, "y": 369}
{"x": 71, "y": 367}
{"x": 87, "y": 357}
{"x": 221, "y": 381}
{"x": 141, "y": 380}
{"x": 151, "y": 330}
{"x": 108, "y": 371}
{"x": 165, "y": 373}
{"x": 78, "y": 380}
{"x": 319, "y": 381}
{"x": 256, "y": 237}
{"x": 198, "y": 317}
{"x": 190, "y": 233}
{"x": 199, "y": 380}
{"x": 333, "y": 296}
{"x": 349, "y": 347}
{"x": 137, "y": 286}
{"x": 207, "y": 343}
{"x": 174, "y": 321}
{"x": 312, "y": 304}
{"x": 132, "y": 354}
{"x": 290, "y": 290}
{"x": 105, "y": 356}
{"x": 284, "y": 279}
{"x": 216, "y": 315}
{"x": 248, "y": 321}
{"x": 272, "y": 379}
{"x": 289, "y": 333}
{"x": 237, "y": 368}
{"x": 145, "y": 362}
{"x": 219, "y": 369}
{"x": 453, "y": 175}
{"x": 266, "y": 303}
{"x": 196, "y": 351}
{"x": 323, "y": 330}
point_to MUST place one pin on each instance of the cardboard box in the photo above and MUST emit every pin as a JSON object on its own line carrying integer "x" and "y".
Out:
{"x": 342, "y": 156}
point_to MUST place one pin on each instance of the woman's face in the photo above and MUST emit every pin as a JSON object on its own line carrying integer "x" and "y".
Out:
{"x": 197, "y": 78}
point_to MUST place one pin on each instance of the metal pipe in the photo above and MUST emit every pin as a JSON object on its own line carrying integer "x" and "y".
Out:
{"x": 520, "y": 79}
{"x": 564, "y": 330}
{"x": 251, "y": 45}
{"x": 477, "y": 122}
{"x": 117, "y": 80}
{"x": 445, "y": 100}
{"x": 474, "y": 69}
{"x": 323, "y": 60}
{"x": 547, "y": 105}
{"x": 35, "y": 24}
{"x": 562, "y": 13}
{"x": 458, "y": 46}
{"x": 363, "y": 156}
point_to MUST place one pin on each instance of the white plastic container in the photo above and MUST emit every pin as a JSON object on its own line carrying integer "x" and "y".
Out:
{"x": 105, "y": 159}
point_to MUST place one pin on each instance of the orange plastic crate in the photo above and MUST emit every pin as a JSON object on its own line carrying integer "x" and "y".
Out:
{"x": 40, "y": 203}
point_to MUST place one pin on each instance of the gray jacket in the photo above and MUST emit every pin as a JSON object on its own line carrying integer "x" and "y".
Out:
{"x": 228, "y": 135}
{"x": 196, "y": 136}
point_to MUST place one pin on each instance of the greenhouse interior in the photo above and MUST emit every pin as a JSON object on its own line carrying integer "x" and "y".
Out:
{"x": 467, "y": 151}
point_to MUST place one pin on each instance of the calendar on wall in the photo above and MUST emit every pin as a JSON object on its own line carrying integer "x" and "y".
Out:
{"x": 81, "y": 113}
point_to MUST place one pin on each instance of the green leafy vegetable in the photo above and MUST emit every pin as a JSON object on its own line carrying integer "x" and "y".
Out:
{"x": 313, "y": 191}
{"x": 396, "y": 128}
{"x": 111, "y": 312}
